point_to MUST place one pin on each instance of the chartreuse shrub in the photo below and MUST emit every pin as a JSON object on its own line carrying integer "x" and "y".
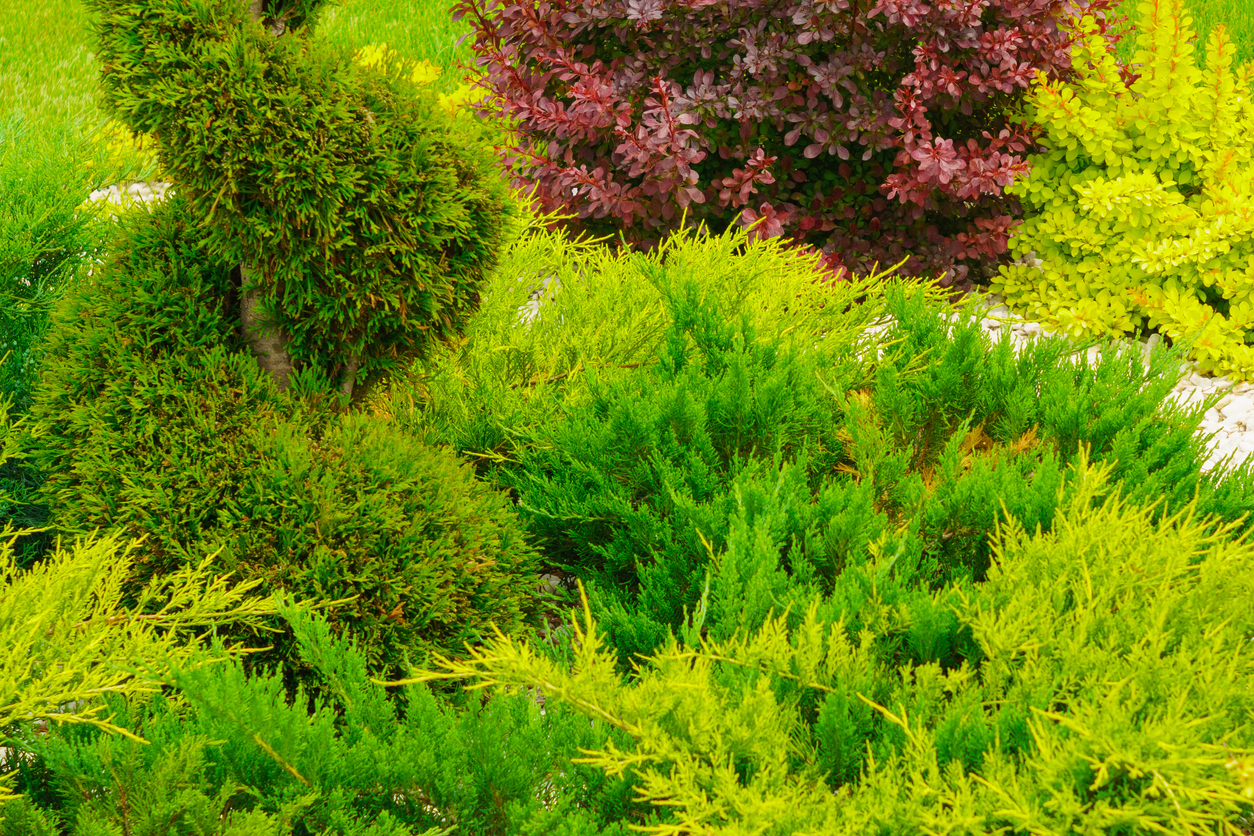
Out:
{"x": 153, "y": 419}
{"x": 69, "y": 637}
{"x": 1141, "y": 209}
{"x": 227, "y": 755}
{"x": 607, "y": 310}
{"x": 708, "y": 420}
{"x": 1101, "y": 688}
{"x": 361, "y": 217}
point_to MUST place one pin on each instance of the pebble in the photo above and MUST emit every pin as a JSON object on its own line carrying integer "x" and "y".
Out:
{"x": 1229, "y": 423}
{"x": 134, "y": 191}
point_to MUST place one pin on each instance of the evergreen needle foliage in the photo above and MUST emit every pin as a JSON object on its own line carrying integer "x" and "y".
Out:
{"x": 606, "y": 310}
{"x": 231, "y": 757}
{"x": 68, "y": 640}
{"x": 723, "y": 442}
{"x": 1103, "y": 692}
{"x": 362, "y": 217}
{"x": 152, "y": 418}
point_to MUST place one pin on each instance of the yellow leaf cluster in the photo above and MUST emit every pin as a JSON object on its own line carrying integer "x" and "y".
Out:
{"x": 1142, "y": 210}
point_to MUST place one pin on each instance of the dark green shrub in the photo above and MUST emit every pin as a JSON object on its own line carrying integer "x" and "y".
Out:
{"x": 238, "y": 759}
{"x": 802, "y": 469}
{"x": 154, "y": 420}
{"x": 363, "y": 218}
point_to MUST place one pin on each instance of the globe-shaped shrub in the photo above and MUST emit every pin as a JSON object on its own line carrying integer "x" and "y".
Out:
{"x": 153, "y": 418}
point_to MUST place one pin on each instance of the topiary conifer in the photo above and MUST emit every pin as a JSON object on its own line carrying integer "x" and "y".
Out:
{"x": 361, "y": 218}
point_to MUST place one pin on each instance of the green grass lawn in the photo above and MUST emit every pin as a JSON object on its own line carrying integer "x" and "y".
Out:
{"x": 48, "y": 73}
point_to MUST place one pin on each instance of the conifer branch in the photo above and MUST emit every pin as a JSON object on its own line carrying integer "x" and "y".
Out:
{"x": 563, "y": 375}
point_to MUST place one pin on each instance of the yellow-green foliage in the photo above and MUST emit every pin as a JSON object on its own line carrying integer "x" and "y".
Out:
{"x": 1142, "y": 211}
{"x": 459, "y": 103}
{"x": 1122, "y": 643}
{"x": 66, "y": 639}
{"x": 128, "y": 156}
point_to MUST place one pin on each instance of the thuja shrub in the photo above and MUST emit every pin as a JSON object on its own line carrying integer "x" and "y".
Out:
{"x": 129, "y": 156}
{"x": 1102, "y": 689}
{"x": 227, "y": 755}
{"x": 152, "y": 418}
{"x": 874, "y": 132}
{"x": 1141, "y": 209}
{"x": 363, "y": 219}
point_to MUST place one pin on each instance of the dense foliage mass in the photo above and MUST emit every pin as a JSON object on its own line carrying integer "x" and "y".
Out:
{"x": 874, "y": 132}
{"x": 801, "y": 469}
{"x": 1142, "y": 210}
{"x": 363, "y": 218}
{"x": 47, "y": 233}
{"x": 843, "y": 563}
{"x": 801, "y": 460}
{"x": 1100, "y": 686}
{"x": 154, "y": 420}
{"x": 234, "y": 758}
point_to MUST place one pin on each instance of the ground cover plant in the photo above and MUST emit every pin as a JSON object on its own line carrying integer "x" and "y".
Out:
{"x": 720, "y": 418}
{"x": 82, "y": 640}
{"x": 1101, "y": 689}
{"x": 199, "y": 331}
{"x": 829, "y": 534}
{"x": 230, "y": 756}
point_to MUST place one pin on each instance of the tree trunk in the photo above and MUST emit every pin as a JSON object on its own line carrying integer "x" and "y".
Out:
{"x": 254, "y": 8}
{"x": 350, "y": 376}
{"x": 268, "y": 343}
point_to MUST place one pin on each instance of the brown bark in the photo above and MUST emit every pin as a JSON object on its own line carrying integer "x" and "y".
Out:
{"x": 350, "y": 376}
{"x": 254, "y": 8}
{"x": 268, "y": 342}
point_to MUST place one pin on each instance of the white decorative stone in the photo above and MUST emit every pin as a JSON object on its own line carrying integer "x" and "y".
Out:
{"x": 145, "y": 192}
